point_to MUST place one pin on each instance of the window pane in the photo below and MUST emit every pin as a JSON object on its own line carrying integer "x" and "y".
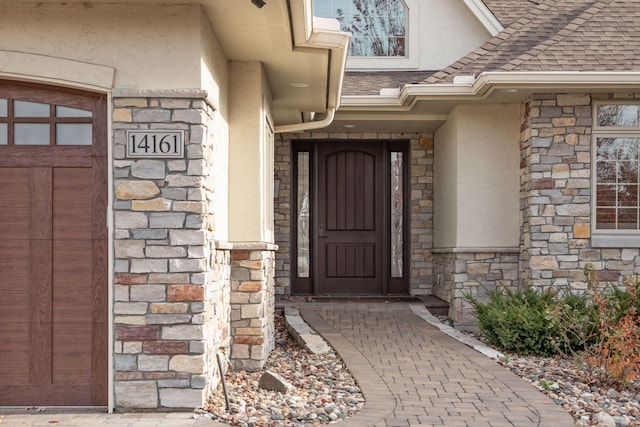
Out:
{"x": 605, "y": 219}
{"x": 73, "y": 134}
{"x": 628, "y": 195}
{"x": 303, "y": 252}
{"x": 617, "y": 182}
{"x": 606, "y": 195}
{"x": 31, "y": 134}
{"x": 628, "y": 219}
{"x": 397, "y": 218}
{"x": 607, "y": 172}
{"x": 3, "y": 134}
{"x": 71, "y": 112}
{"x": 619, "y": 115}
{"x": 627, "y": 171}
{"x": 3, "y": 108}
{"x": 30, "y": 109}
{"x": 377, "y": 26}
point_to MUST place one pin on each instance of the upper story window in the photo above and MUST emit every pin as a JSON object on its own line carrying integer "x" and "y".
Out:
{"x": 617, "y": 179}
{"x": 377, "y": 26}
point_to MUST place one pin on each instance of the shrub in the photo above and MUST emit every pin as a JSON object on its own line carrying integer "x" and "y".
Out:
{"x": 614, "y": 359}
{"x": 518, "y": 321}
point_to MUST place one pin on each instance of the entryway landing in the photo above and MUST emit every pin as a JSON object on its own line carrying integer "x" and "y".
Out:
{"x": 435, "y": 305}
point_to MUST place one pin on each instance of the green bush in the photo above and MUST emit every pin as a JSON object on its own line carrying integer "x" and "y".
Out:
{"x": 576, "y": 318}
{"x": 519, "y": 321}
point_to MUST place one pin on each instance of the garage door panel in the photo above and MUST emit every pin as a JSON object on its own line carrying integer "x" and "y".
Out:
{"x": 72, "y": 203}
{"x": 14, "y": 353}
{"x": 71, "y": 354}
{"x": 14, "y": 280}
{"x": 15, "y": 204}
{"x": 72, "y": 281}
{"x": 46, "y": 395}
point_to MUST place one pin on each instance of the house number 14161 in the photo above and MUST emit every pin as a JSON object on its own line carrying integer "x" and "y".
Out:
{"x": 154, "y": 144}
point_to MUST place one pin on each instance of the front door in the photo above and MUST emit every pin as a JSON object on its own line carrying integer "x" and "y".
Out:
{"x": 349, "y": 233}
{"x": 53, "y": 247}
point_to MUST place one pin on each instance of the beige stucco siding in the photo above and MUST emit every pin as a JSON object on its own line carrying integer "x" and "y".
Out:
{"x": 149, "y": 46}
{"x": 476, "y": 178}
{"x": 445, "y": 188}
{"x": 250, "y": 155}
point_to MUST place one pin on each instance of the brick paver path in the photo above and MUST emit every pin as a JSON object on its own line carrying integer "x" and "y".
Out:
{"x": 414, "y": 375}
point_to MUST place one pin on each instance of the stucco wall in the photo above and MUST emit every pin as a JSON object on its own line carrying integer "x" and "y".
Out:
{"x": 476, "y": 166}
{"x": 445, "y": 178}
{"x": 149, "y": 47}
{"x": 249, "y": 149}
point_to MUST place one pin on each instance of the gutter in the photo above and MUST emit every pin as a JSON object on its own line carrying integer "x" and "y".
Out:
{"x": 481, "y": 87}
{"x": 325, "y": 34}
{"x": 299, "y": 127}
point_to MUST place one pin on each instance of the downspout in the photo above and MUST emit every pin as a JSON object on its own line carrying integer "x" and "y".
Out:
{"x": 299, "y": 127}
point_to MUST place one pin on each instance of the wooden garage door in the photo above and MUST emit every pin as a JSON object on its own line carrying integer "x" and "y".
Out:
{"x": 53, "y": 247}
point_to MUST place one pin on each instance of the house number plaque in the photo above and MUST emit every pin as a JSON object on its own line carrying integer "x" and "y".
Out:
{"x": 167, "y": 144}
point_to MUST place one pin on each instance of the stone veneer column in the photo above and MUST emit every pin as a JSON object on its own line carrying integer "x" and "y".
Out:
{"x": 555, "y": 193}
{"x": 172, "y": 280}
{"x": 421, "y": 203}
{"x": 252, "y": 305}
{"x": 555, "y": 196}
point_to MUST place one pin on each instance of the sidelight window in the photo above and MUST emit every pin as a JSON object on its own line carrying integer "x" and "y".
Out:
{"x": 302, "y": 216}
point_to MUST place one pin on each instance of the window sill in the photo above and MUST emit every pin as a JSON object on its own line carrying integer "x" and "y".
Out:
{"x": 604, "y": 240}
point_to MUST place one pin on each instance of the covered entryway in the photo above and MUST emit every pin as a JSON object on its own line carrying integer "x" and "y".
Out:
{"x": 349, "y": 234}
{"x": 53, "y": 247}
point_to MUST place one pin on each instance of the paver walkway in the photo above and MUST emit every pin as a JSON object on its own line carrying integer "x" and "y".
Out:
{"x": 414, "y": 375}
{"x": 410, "y": 373}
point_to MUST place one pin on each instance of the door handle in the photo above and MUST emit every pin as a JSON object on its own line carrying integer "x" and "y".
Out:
{"x": 321, "y": 232}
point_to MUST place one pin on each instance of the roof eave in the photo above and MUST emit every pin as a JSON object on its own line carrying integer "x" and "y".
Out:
{"x": 484, "y": 85}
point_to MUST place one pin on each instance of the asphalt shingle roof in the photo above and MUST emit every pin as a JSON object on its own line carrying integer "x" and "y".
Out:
{"x": 559, "y": 35}
{"x": 509, "y": 11}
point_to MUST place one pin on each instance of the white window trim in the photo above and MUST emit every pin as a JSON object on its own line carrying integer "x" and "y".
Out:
{"x": 609, "y": 238}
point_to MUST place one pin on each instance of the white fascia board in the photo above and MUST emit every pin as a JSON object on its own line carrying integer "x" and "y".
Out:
{"x": 556, "y": 79}
{"x": 485, "y": 16}
{"x": 485, "y": 83}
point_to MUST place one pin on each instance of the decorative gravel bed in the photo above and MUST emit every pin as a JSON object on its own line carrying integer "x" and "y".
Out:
{"x": 563, "y": 381}
{"x": 325, "y": 391}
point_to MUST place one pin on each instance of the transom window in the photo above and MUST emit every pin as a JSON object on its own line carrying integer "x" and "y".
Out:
{"x": 617, "y": 159}
{"x": 377, "y": 26}
{"x": 25, "y": 122}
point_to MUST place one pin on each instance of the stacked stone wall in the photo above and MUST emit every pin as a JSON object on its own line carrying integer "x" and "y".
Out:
{"x": 172, "y": 280}
{"x": 556, "y": 195}
{"x": 421, "y": 203}
{"x": 252, "y": 305}
{"x": 472, "y": 273}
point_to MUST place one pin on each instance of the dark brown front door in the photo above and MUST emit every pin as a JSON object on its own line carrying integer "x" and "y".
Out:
{"x": 349, "y": 232}
{"x": 350, "y": 210}
{"x": 53, "y": 247}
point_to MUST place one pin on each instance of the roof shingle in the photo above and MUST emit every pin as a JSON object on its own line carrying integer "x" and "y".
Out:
{"x": 559, "y": 35}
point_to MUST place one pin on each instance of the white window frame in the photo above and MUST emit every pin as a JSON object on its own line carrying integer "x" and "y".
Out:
{"x": 609, "y": 238}
{"x": 412, "y": 46}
